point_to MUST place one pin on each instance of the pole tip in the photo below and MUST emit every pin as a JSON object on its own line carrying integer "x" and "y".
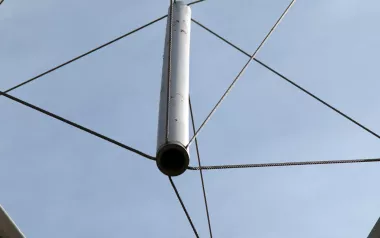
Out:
{"x": 172, "y": 159}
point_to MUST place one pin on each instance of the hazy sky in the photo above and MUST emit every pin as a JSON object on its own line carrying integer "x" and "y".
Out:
{"x": 57, "y": 181}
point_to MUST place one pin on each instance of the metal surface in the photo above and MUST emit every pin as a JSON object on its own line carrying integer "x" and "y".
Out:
{"x": 8, "y": 228}
{"x": 375, "y": 233}
{"x": 173, "y": 119}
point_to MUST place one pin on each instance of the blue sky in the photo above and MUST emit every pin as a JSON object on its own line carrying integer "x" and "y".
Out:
{"x": 57, "y": 181}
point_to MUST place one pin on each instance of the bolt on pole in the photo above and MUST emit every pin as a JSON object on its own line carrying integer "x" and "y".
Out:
{"x": 173, "y": 120}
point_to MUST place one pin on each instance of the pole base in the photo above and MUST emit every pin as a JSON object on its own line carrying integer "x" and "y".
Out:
{"x": 172, "y": 159}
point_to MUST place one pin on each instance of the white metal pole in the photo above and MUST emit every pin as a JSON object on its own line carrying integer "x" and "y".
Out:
{"x": 172, "y": 155}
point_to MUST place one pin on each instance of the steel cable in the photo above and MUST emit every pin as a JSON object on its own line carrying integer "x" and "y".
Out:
{"x": 282, "y": 164}
{"x": 195, "y": 2}
{"x": 85, "y": 54}
{"x": 183, "y": 207}
{"x": 169, "y": 71}
{"x": 290, "y": 81}
{"x": 77, "y": 126}
{"x": 241, "y": 72}
{"x": 200, "y": 170}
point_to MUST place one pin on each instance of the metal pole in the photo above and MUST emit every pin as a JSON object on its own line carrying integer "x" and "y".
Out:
{"x": 172, "y": 138}
{"x": 7, "y": 227}
{"x": 375, "y": 233}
